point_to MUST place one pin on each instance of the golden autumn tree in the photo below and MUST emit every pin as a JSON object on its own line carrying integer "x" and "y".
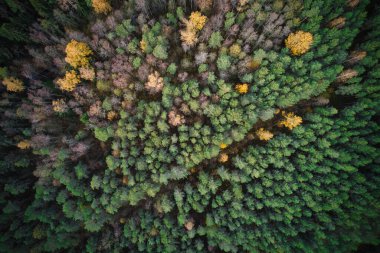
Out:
{"x": 155, "y": 83}
{"x": 143, "y": 45}
{"x": 69, "y": 82}
{"x": 223, "y": 145}
{"x": 290, "y": 120}
{"x": 101, "y": 6}
{"x": 197, "y": 20}
{"x": 235, "y": 50}
{"x": 59, "y": 105}
{"x": 299, "y": 42}
{"x": 264, "y": 135}
{"x": 111, "y": 115}
{"x": 189, "y": 36}
{"x": 223, "y": 157}
{"x": 195, "y": 23}
{"x": 78, "y": 54}
{"x": 24, "y": 144}
{"x": 242, "y": 88}
{"x": 13, "y": 84}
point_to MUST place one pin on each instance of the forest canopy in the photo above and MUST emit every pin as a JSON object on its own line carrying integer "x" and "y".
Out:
{"x": 189, "y": 125}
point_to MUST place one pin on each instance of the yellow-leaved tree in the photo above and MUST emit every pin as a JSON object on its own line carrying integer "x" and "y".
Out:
{"x": 78, "y": 54}
{"x": 195, "y": 23}
{"x": 13, "y": 84}
{"x": 101, "y": 6}
{"x": 24, "y": 144}
{"x": 264, "y": 135}
{"x": 59, "y": 105}
{"x": 197, "y": 20}
{"x": 242, "y": 88}
{"x": 70, "y": 81}
{"x": 290, "y": 120}
{"x": 223, "y": 145}
{"x": 299, "y": 42}
{"x": 223, "y": 157}
{"x": 155, "y": 83}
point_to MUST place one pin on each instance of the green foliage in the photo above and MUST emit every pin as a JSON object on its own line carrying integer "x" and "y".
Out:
{"x": 95, "y": 182}
{"x": 223, "y": 62}
{"x": 3, "y": 72}
{"x": 132, "y": 46}
{"x": 102, "y": 85}
{"x": 41, "y": 6}
{"x": 136, "y": 62}
{"x": 14, "y": 6}
{"x": 172, "y": 68}
{"x": 160, "y": 148}
{"x": 124, "y": 29}
{"x": 103, "y": 134}
{"x": 160, "y": 52}
{"x": 202, "y": 68}
{"x": 230, "y": 19}
{"x": 13, "y": 33}
{"x": 215, "y": 40}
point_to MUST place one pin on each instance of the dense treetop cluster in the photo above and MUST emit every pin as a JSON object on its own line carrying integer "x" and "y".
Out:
{"x": 189, "y": 126}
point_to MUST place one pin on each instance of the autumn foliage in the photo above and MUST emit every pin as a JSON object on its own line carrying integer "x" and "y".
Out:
{"x": 24, "y": 144}
{"x": 13, "y": 84}
{"x": 77, "y": 54}
{"x": 155, "y": 83}
{"x": 59, "y": 105}
{"x": 204, "y": 5}
{"x": 197, "y": 20}
{"x": 264, "y": 135}
{"x": 192, "y": 26}
{"x": 299, "y": 42}
{"x": 290, "y": 120}
{"x": 242, "y": 88}
{"x": 69, "y": 82}
{"x": 101, "y": 6}
{"x": 189, "y": 126}
{"x": 223, "y": 145}
{"x": 223, "y": 157}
